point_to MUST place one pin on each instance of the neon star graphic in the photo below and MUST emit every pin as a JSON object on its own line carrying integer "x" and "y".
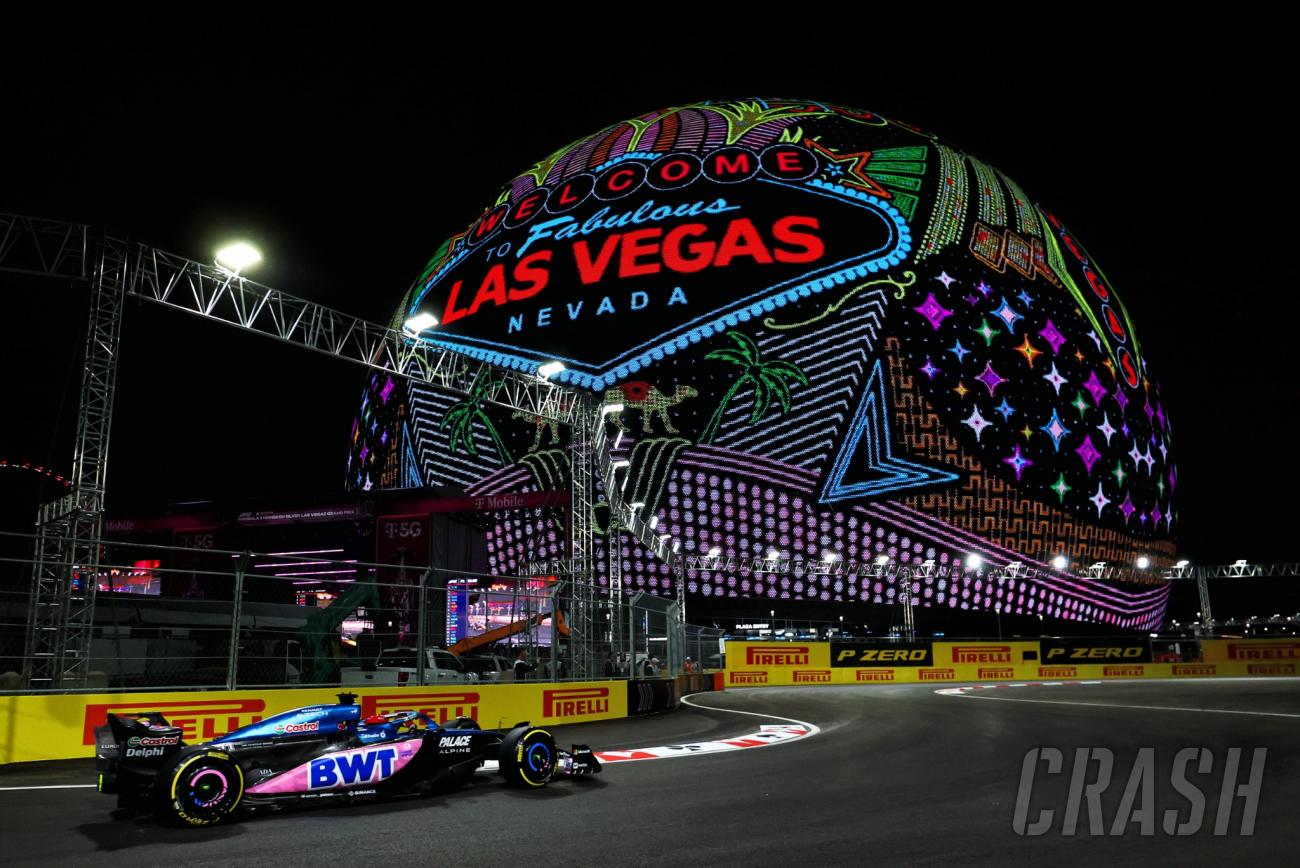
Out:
{"x": 1088, "y": 453}
{"x": 1025, "y": 298}
{"x": 1156, "y": 514}
{"x": 1053, "y": 336}
{"x": 1099, "y": 500}
{"x": 1105, "y": 427}
{"x": 946, "y": 280}
{"x": 986, "y": 331}
{"x": 1054, "y": 377}
{"x": 1148, "y": 459}
{"x": 1119, "y": 473}
{"x": 1006, "y": 410}
{"x": 1080, "y": 403}
{"x": 1160, "y": 485}
{"x": 991, "y": 379}
{"x": 1055, "y": 430}
{"x": 1095, "y": 388}
{"x": 1096, "y": 340}
{"x": 1164, "y": 452}
{"x": 1078, "y": 355}
{"x": 960, "y": 389}
{"x": 929, "y": 368}
{"x": 858, "y": 169}
{"x": 959, "y": 351}
{"x": 1029, "y": 351}
{"x": 1007, "y": 315}
{"x": 934, "y": 312}
{"x": 1121, "y": 398}
{"x": 977, "y": 423}
{"x": 1135, "y": 455}
{"x": 984, "y": 288}
{"x": 1017, "y": 461}
{"x": 1127, "y": 508}
{"x": 1027, "y": 431}
{"x": 1060, "y": 487}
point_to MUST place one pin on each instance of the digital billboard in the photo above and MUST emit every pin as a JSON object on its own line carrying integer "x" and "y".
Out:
{"x": 833, "y": 334}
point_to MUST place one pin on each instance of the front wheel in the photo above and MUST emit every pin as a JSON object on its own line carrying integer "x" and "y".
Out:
{"x": 201, "y": 790}
{"x": 528, "y": 757}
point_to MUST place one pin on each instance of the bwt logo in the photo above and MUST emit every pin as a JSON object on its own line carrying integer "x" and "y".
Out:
{"x": 439, "y": 706}
{"x": 997, "y": 673}
{"x": 575, "y": 701}
{"x": 1271, "y": 669}
{"x": 1121, "y": 671}
{"x": 812, "y": 676}
{"x": 796, "y": 655}
{"x": 343, "y": 770}
{"x": 1194, "y": 669}
{"x": 1057, "y": 671}
{"x": 938, "y": 675}
{"x": 875, "y": 675}
{"x": 197, "y": 719}
{"x": 981, "y": 654}
{"x": 1264, "y": 650}
{"x": 748, "y": 677}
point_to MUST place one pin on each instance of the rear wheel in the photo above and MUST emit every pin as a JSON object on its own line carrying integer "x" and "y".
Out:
{"x": 528, "y": 758}
{"x": 201, "y": 790}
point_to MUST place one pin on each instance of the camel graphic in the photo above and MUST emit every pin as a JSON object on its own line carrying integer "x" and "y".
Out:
{"x": 541, "y": 422}
{"x": 640, "y": 395}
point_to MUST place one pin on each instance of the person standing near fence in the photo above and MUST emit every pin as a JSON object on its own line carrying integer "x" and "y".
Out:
{"x": 522, "y": 666}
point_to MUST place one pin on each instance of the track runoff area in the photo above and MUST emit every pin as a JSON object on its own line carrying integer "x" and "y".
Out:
{"x": 1166, "y": 771}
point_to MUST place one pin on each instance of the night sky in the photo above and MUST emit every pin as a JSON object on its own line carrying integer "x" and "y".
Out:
{"x": 349, "y": 147}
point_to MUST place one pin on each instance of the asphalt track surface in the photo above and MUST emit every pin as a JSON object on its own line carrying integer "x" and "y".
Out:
{"x": 897, "y": 774}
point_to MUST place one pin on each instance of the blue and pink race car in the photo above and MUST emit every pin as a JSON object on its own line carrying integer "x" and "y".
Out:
{"x": 313, "y": 753}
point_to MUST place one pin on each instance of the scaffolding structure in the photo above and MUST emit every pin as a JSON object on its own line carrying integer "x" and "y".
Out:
{"x": 70, "y": 530}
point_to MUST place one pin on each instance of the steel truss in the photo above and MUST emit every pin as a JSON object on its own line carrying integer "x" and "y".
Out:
{"x": 71, "y": 528}
{"x": 61, "y": 608}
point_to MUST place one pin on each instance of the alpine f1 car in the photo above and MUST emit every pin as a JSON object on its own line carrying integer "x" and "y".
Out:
{"x": 314, "y": 753}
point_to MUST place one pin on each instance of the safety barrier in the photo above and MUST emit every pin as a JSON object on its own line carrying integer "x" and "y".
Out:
{"x": 61, "y": 726}
{"x": 764, "y": 664}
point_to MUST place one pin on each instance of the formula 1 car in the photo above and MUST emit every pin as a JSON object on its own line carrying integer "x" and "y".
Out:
{"x": 314, "y": 753}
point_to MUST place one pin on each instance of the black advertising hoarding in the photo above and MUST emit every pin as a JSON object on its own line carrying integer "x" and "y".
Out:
{"x": 1076, "y": 651}
{"x": 854, "y": 654}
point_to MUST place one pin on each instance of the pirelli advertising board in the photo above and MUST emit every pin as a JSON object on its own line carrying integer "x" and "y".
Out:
{"x": 62, "y": 726}
{"x": 763, "y": 664}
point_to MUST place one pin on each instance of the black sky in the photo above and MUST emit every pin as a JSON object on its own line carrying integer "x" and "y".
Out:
{"x": 349, "y": 144}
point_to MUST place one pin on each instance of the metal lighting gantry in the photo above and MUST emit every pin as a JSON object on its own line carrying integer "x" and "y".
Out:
{"x": 61, "y": 610}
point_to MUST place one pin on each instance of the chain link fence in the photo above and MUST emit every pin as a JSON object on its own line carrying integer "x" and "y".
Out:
{"x": 182, "y": 618}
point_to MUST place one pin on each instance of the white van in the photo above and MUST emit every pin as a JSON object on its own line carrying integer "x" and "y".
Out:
{"x": 400, "y": 666}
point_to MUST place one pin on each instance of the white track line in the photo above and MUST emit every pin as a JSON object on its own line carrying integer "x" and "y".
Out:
{"x": 813, "y": 729}
{"x": 977, "y": 691}
{"x": 1116, "y": 705}
{"x": 768, "y": 736}
{"x": 51, "y": 787}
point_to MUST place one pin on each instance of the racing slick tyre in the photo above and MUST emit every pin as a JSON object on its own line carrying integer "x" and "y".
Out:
{"x": 200, "y": 789}
{"x": 528, "y": 757}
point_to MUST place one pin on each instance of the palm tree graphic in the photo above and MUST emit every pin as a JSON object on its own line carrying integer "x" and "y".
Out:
{"x": 462, "y": 416}
{"x": 767, "y": 378}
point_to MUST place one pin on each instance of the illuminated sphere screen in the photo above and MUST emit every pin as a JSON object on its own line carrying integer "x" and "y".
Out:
{"x": 833, "y": 336}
